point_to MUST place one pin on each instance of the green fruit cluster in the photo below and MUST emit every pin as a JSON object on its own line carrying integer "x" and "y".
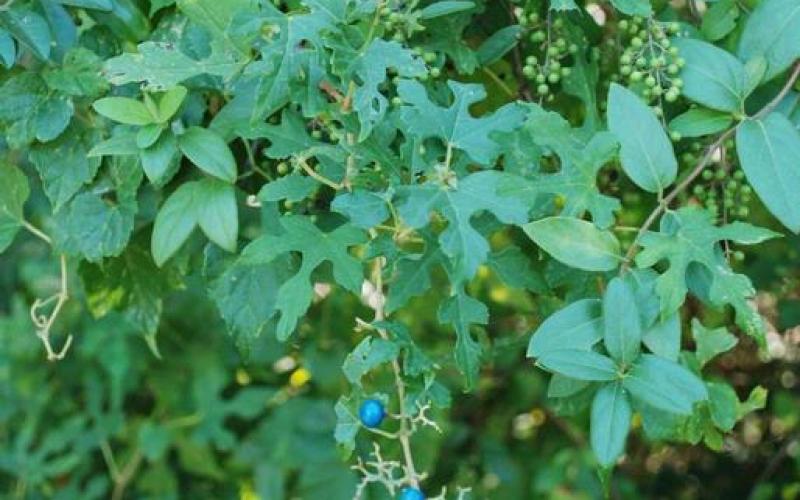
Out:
{"x": 650, "y": 63}
{"x": 723, "y": 189}
{"x": 549, "y": 51}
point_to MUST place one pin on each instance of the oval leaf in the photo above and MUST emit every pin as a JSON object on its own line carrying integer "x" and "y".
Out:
{"x": 209, "y": 152}
{"x": 217, "y": 214}
{"x": 622, "y": 329}
{"x": 124, "y": 110}
{"x": 712, "y": 76}
{"x": 769, "y": 152}
{"x": 610, "y": 423}
{"x": 576, "y": 243}
{"x": 580, "y": 365}
{"x": 576, "y": 326}
{"x": 646, "y": 153}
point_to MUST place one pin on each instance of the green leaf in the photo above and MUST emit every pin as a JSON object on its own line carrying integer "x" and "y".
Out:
{"x": 124, "y": 110}
{"x": 316, "y": 247}
{"x": 723, "y": 404}
{"x": 769, "y": 153}
{"x": 633, "y": 7}
{"x": 52, "y": 117}
{"x": 462, "y": 311}
{"x": 368, "y": 354}
{"x": 93, "y": 227}
{"x": 293, "y": 187}
{"x": 711, "y": 341}
{"x": 699, "y": 122}
{"x": 664, "y": 384}
{"x": 64, "y": 166}
{"x": 445, "y": 7}
{"x": 576, "y": 243}
{"x": 160, "y": 161}
{"x": 622, "y": 329}
{"x": 580, "y": 162}
{"x": 712, "y": 76}
{"x": 773, "y": 32}
{"x": 719, "y": 20}
{"x": 371, "y": 67}
{"x": 170, "y": 102}
{"x": 130, "y": 284}
{"x": 347, "y": 425}
{"x": 365, "y": 209}
{"x": 460, "y": 241}
{"x": 646, "y": 153}
{"x": 246, "y": 296}
{"x": 564, "y": 387}
{"x": 8, "y": 51}
{"x": 578, "y": 364}
{"x": 576, "y": 326}
{"x": 162, "y": 66}
{"x": 499, "y": 44}
{"x": 412, "y": 276}
{"x": 209, "y": 152}
{"x": 454, "y": 125}
{"x": 14, "y": 191}
{"x": 562, "y": 5}
{"x": 610, "y": 423}
{"x": 29, "y": 29}
{"x": 514, "y": 268}
{"x": 217, "y": 214}
{"x": 689, "y": 236}
{"x": 175, "y": 221}
{"x": 148, "y": 135}
{"x": 664, "y": 337}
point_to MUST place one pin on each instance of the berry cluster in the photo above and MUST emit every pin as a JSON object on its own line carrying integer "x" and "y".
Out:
{"x": 549, "y": 51}
{"x": 402, "y": 24}
{"x": 650, "y": 63}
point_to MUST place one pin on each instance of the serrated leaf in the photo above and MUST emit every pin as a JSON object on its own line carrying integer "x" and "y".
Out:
{"x": 365, "y": 209}
{"x": 209, "y": 152}
{"x": 454, "y": 125}
{"x": 293, "y": 187}
{"x": 711, "y": 341}
{"x": 712, "y": 76}
{"x": 29, "y": 28}
{"x": 646, "y": 153}
{"x": 514, "y": 268}
{"x": 769, "y": 153}
{"x": 460, "y": 241}
{"x": 577, "y": 326}
{"x": 576, "y": 243}
{"x": 368, "y": 354}
{"x": 316, "y": 247}
{"x": 579, "y": 364}
{"x": 610, "y": 423}
{"x": 14, "y": 191}
{"x": 412, "y": 276}
{"x": 462, "y": 311}
{"x": 688, "y": 236}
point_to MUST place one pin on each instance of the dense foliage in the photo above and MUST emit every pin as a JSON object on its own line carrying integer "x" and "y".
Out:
{"x": 399, "y": 249}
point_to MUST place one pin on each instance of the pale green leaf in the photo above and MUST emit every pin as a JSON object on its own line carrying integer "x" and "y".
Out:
{"x": 646, "y": 152}
{"x": 610, "y": 423}
{"x": 622, "y": 329}
{"x": 124, "y": 110}
{"x": 217, "y": 214}
{"x": 208, "y": 151}
{"x": 711, "y": 342}
{"x": 576, "y": 243}
{"x": 576, "y": 326}
{"x": 664, "y": 384}
{"x": 773, "y": 32}
{"x": 712, "y": 76}
{"x": 699, "y": 122}
{"x": 579, "y": 364}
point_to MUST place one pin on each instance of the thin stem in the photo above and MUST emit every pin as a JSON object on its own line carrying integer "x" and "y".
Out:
{"x": 404, "y": 433}
{"x": 36, "y": 232}
{"x": 781, "y": 95}
{"x": 251, "y": 159}
{"x": 313, "y": 173}
{"x": 44, "y": 323}
{"x": 500, "y": 83}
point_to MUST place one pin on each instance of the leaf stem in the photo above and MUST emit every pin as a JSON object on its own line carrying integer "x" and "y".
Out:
{"x": 44, "y": 323}
{"x": 321, "y": 178}
{"x": 36, "y": 232}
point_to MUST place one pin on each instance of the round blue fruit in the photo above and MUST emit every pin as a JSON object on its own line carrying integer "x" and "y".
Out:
{"x": 411, "y": 494}
{"x": 371, "y": 413}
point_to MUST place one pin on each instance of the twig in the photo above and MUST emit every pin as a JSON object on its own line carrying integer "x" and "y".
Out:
{"x": 44, "y": 323}
{"x": 663, "y": 205}
{"x": 36, "y": 232}
{"x": 321, "y": 178}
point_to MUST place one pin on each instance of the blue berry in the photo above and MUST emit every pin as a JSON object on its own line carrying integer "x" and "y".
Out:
{"x": 411, "y": 494}
{"x": 371, "y": 413}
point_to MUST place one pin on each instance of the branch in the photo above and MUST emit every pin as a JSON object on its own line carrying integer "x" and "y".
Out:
{"x": 664, "y": 203}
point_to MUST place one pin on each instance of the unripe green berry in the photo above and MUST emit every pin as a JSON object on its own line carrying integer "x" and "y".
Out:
{"x": 543, "y": 89}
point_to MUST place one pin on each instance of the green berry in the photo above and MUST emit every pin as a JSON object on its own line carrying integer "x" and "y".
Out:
{"x": 543, "y": 89}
